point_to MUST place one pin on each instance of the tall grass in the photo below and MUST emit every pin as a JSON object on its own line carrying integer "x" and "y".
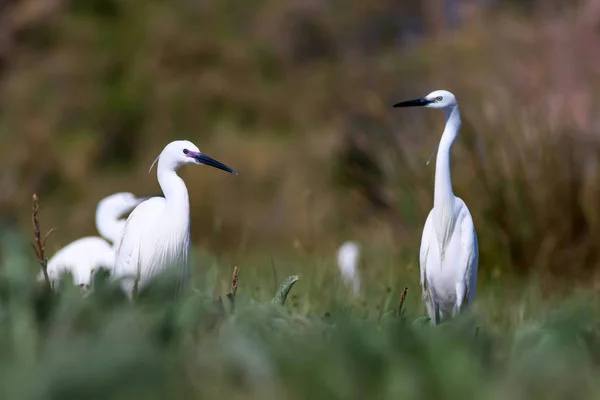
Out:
{"x": 318, "y": 344}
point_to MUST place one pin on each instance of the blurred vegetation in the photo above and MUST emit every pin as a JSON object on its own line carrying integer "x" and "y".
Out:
{"x": 322, "y": 343}
{"x": 296, "y": 96}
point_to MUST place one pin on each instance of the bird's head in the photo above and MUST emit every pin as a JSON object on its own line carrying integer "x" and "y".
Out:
{"x": 441, "y": 99}
{"x": 128, "y": 201}
{"x": 120, "y": 203}
{"x": 182, "y": 152}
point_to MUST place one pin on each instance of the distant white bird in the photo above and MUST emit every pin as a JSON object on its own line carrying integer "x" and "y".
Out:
{"x": 157, "y": 233}
{"x": 347, "y": 258}
{"x": 449, "y": 249}
{"x": 84, "y": 256}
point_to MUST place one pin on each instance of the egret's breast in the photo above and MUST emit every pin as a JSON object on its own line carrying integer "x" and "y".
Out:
{"x": 443, "y": 270}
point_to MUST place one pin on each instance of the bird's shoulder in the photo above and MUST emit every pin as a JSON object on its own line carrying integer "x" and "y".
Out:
{"x": 80, "y": 257}
{"x": 462, "y": 210}
{"x": 94, "y": 241}
{"x": 465, "y": 221}
{"x": 144, "y": 211}
{"x": 137, "y": 223}
{"x": 82, "y": 245}
{"x": 148, "y": 207}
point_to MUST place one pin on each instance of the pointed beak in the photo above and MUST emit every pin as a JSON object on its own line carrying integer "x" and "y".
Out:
{"x": 211, "y": 162}
{"x": 414, "y": 103}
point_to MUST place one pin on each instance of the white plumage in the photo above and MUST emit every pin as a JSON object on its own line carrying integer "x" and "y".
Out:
{"x": 157, "y": 233}
{"x": 449, "y": 249}
{"x": 347, "y": 258}
{"x": 84, "y": 256}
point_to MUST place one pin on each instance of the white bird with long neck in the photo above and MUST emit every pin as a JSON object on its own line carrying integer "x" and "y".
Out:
{"x": 347, "y": 258}
{"x": 157, "y": 233}
{"x": 86, "y": 255}
{"x": 449, "y": 249}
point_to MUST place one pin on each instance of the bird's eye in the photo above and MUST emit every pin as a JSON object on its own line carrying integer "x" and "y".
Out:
{"x": 439, "y": 98}
{"x": 185, "y": 151}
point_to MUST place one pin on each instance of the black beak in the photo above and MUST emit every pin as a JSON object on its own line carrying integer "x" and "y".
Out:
{"x": 206, "y": 160}
{"x": 413, "y": 103}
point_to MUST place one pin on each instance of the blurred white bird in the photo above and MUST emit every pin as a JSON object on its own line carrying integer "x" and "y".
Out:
{"x": 157, "y": 233}
{"x": 347, "y": 258}
{"x": 449, "y": 250}
{"x": 84, "y": 256}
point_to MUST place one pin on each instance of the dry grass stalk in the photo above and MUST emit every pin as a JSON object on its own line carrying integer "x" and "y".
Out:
{"x": 234, "y": 286}
{"x": 39, "y": 244}
{"x": 401, "y": 302}
{"x": 234, "y": 282}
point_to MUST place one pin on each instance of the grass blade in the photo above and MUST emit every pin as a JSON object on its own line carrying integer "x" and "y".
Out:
{"x": 284, "y": 290}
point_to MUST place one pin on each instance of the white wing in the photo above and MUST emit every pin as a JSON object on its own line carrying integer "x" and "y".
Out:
{"x": 81, "y": 258}
{"x": 469, "y": 255}
{"x": 132, "y": 246}
{"x": 428, "y": 234}
{"x": 428, "y": 245}
{"x": 150, "y": 242}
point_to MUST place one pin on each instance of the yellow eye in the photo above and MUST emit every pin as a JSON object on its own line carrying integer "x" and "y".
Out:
{"x": 439, "y": 98}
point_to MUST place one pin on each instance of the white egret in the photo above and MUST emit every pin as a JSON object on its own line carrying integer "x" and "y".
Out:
{"x": 449, "y": 249}
{"x": 157, "y": 233}
{"x": 347, "y": 258}
{"x": 84, "y": 256}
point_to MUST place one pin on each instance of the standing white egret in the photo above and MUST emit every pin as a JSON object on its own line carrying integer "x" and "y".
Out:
{"x": 347, "y": 258}
{"x": 157, "y": 233}
{"x": 449, "y": 249}
{"x": 84, "y": 256}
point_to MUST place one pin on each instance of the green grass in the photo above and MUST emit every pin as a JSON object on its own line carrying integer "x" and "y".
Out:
{"x": 321, "y": 344}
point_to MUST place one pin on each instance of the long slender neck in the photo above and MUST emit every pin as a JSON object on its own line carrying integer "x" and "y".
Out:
{"x": 174, "y": 189}
{"x": 108, "y": 223}
{"x": 443, "y": 194}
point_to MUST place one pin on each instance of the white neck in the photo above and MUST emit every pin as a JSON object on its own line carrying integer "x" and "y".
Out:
{"x": 108, "y": 223}
{"x": 174, "y": 189}
{"x": 443, "y": 195}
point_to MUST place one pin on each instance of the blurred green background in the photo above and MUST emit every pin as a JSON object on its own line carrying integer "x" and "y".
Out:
{"x": 296, "y": 96}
